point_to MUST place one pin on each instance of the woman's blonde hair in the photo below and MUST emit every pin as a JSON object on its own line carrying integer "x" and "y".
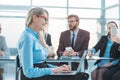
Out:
{"x": 34, "y": 11}
{"x": 42, "y": 39}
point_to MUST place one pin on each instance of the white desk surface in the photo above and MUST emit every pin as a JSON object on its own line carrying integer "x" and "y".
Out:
{"x": 96, "y": 58}
{"x": 65, "y": 59}
{"x": 7, "y": 59}
{"x": 68, "y": 59}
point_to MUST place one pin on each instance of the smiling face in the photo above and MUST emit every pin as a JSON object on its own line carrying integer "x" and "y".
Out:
{"x": 36, "y": 19}
{"x": 39, "y": 22}
{"x": 42, "y": 20}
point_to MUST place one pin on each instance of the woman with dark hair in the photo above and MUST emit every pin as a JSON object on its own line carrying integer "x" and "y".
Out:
{"x": 109, "y": 48}
{"x": 114, "y": 73}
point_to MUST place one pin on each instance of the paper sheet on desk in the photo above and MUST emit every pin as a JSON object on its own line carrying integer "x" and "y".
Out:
{"x": 97, "y": 57}
{"x": 7, "y": 57}
{"x": 93, "y": 57}
{"x": 12, "y": 57}
{"x": 69, "y": 57}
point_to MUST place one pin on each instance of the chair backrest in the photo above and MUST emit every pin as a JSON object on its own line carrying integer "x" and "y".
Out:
{"x": 18, "y": 68}
{"x": 17, "y": 61}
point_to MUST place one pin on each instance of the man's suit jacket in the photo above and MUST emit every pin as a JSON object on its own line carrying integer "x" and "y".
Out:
{"x": 81, "y": 43}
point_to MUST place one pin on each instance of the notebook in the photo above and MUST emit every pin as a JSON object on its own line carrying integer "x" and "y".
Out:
{"x": 76, "y": 71}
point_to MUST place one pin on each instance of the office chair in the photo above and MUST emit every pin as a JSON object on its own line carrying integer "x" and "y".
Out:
{"x": 18, "y": 68}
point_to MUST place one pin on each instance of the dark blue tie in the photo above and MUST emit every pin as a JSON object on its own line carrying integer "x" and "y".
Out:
{"x": 73, "y": 40}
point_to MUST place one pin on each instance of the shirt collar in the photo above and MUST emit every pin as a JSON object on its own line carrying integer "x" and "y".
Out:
{"x": 76, "y": 32}
{"x": 34, "y": 33}
{"x": 109, "y": 39}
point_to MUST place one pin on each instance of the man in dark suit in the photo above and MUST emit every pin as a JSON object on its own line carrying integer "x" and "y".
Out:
{"x": 75, "y": 38}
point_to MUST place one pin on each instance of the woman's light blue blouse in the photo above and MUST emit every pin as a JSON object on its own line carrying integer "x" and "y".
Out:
{"x": 32, "y": 52}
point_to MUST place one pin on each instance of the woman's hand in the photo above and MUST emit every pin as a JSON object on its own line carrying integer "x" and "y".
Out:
{"x": 51, "y": 55}
{"x": 63, "y": 68}
{"x": 1, "y": 53}
{"x": 90, "y": 54}
{"x": 107, "y": 65}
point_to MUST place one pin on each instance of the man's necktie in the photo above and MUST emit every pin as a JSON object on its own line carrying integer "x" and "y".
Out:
{"x": 73, "y": 40}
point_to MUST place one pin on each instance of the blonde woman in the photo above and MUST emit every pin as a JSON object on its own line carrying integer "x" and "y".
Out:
{"x": 33, "y": 52}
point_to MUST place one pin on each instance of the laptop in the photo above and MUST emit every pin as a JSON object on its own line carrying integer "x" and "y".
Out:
{"x": 76, "y": 71}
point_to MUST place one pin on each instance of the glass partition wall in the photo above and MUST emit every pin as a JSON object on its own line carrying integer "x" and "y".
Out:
{"x": 93, "y": 17}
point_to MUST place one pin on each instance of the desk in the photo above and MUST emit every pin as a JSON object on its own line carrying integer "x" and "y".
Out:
{"x": 8, "y": 64}
{"x": 68, "y": 59}
{"x": 91, "y": 61}
{"x": 97, "y": 58}
{"x": 4, "y": 59}
{"x": 65, "y": 59}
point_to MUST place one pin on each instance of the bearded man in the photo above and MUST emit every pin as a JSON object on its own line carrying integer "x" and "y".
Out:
{"x": 75, "y": 39}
